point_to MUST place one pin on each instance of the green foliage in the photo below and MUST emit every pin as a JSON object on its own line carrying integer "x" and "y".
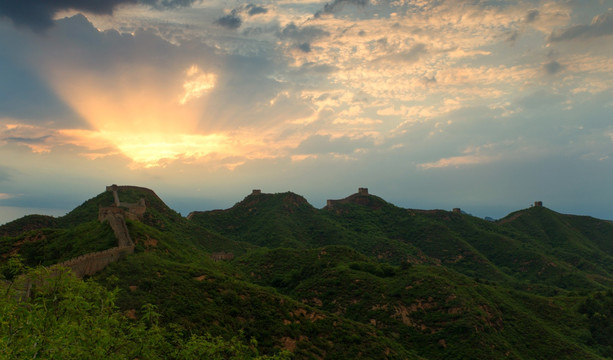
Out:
{"x": 599, "y": 310}
{"x": 51, "y": 246}
{"x": 13, "y": 267}
{"x": 363, "y": 279}
{"x": 27, "y": 223}
{"x": 66, "y": 318}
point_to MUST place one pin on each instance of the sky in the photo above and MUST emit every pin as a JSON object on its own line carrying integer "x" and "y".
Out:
{"x": 485, "y": 105}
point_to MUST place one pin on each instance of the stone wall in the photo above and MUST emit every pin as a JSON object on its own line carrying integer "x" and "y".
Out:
{"x": 89, "y": 264}
{"x": 218, "y": 256}
{"x": 134, "y": 211}
{"x": 118, "y": 224}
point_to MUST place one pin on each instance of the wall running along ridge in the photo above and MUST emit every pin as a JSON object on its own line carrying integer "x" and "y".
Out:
{"x": 89, "y": 264}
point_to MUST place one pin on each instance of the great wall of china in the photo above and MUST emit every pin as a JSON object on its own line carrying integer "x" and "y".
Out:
{"x": 359, "y": 197}
{"x": 91, "y": 263}
{"x": 115, "y": 215}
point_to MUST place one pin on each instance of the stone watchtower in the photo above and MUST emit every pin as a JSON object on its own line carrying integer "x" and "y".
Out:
{"x": 363, "y": 191}
{"x": 256, "y": 192}
{"x": 538, "y": 204}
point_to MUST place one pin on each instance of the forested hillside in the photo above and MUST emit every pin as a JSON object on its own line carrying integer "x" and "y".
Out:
{"x": 273, "y": 276}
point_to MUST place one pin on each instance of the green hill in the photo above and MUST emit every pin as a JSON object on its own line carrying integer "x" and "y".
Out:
{"x": 360, "y": 278}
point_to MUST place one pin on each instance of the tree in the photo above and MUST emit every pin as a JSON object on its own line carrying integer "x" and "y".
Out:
{"x": 68, "y": 318}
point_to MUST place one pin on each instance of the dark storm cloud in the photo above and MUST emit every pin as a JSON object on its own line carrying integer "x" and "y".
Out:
{"x": 38, "y": 14}
{"x": 410, "y": 56}
{"x": 305, "y": 47}
{"x": 303, "y": 34}
{"x": 255, "y": 10}
{"x": 231, "y": 21}
{"x": 532, "y": 15}
{"x": 337, "y": 5}
{"x": 602, "y": 25}
{"x": 553, "y": 67}
{"x": 76, "y": 41}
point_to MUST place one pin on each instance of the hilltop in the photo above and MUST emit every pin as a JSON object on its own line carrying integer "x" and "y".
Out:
{"x": 359, "y": 278}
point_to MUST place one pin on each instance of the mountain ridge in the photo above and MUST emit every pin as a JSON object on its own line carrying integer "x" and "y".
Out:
{"x": 430, "y": 284}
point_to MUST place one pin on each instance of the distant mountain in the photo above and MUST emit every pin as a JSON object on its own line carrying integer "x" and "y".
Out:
{"x": 359, "y": 278}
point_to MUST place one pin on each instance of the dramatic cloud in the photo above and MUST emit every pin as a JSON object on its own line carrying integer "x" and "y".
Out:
{"x": 429, "y": 103}
{"x": 532, "y": 16}
{"x": 38, "y": 14}
{"x": 337, "y": 5}
{"x": 255, "y": 10}
{"x": 302, "y": 34}
{"x": 306, "y": 47}
{"x": 602, "y": 25}
{"x": 231, "y": 21}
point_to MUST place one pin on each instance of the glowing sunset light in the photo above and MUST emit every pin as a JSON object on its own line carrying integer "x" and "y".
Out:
{"x": 127, "y": 102}
{"x": 197, "y": 84}
{"x": 428, "y": 103}
{"x": 149, "y": 149}
{"x": 136, "y": 111}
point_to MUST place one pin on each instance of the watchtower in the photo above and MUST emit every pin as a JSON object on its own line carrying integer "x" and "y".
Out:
{"x": 538, "y": 204}
{"x": 256, "y": 192}
{"x": 363, "y": 191}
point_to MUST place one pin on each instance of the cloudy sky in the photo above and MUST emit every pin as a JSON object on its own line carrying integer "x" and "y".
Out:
{"x": 487, "y": 105}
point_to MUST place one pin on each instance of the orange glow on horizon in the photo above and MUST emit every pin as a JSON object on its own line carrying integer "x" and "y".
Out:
{"x": 146, "y": 115}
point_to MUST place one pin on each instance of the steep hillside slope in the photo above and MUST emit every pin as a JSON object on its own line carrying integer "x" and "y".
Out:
{"x": 438, "y": 312}
{"x": 360, "y": 278}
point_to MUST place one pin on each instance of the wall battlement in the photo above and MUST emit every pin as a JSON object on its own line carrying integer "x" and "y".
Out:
{"x": 115, "y": 215}
{"x": 91, "y": 263}
{"x": 358, "y": 197}
{"x": 135, "y": 210}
